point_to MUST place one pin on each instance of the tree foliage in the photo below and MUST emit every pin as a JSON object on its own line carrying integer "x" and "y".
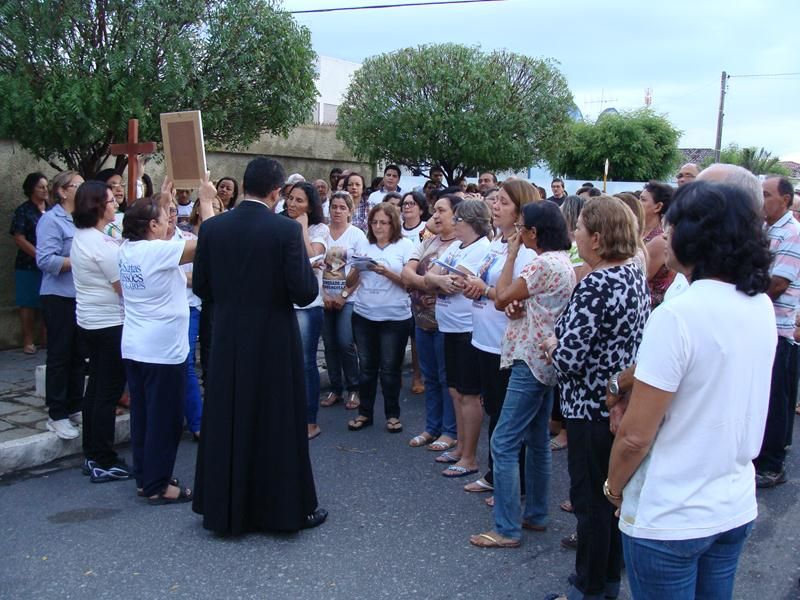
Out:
{"x": 639, "y": 145}
{"x": 456, "y": 107}
{"x": 72, "y": 72}
{"x": 756, "y": 160}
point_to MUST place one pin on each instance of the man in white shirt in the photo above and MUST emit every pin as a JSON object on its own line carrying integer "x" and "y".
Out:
{"x": 391, "y": 177}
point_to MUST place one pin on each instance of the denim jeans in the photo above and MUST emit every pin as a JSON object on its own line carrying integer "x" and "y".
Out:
{"x": 440, "y": 418}
{"x": 381, "y": 347}
{"x": 524, "y": 418}
{"x": 340, "y": 350}
{"x": 193, "y": 406}
{"x": 310, "y": 322}
{"x": 702, "y": 568}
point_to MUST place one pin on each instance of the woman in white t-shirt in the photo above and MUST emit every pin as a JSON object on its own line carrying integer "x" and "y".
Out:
{"x": 99, "y": 316}
{"x": 489, "y": 324}
{"x": 454, "y": 316}
{"x": 344, "y": 241}
{"x": 681, "y": 468}
{"x": 382, "y": 320}
{"x": 303, "y": 205}
{"x": 155, "y": 339}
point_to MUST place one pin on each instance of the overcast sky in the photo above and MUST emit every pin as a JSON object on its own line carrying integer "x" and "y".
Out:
{"x": 614, "y": 51}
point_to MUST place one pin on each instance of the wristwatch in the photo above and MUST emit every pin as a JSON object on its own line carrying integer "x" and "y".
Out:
{"x": 613, "y": 384}
{"x": 345, "y": 293}
{"x": 607, "y": 492}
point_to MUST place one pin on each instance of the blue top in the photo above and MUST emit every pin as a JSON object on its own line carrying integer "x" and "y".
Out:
{"x": 54, "y": 234}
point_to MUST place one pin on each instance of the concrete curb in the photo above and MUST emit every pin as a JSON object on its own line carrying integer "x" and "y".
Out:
{"x": 42, "y": 448}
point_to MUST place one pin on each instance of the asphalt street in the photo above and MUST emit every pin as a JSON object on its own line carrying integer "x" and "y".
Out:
{"x": 397, "y": 529}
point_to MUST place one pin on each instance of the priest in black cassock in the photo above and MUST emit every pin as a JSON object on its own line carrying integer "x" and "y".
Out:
{"x": 253, "y": 467}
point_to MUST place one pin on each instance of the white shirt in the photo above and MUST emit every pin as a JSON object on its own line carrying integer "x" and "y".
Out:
{"x": 679, "y": 285}
{"x": 454, "y": 312}
{"x": 193, "y": 300}
{"x": 94, "y": 268}
{"x": 713, "y": 347}
{"x": 317, "y": 234}
{"x": 351, "y": 243}
{"x": 488, "y": 323}
{"x": 379, "y": 298}
{"x": 376, "y": 197}
{"x": 156, "y": 328}
{"x": 413, "y": 233}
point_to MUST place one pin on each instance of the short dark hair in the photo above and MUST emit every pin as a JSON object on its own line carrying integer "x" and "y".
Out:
{"x": 588, "y": 184}
{"x": 436, "y": 169}
{"x": 392, "y": 196}
{"x": 662, "y": 193}
{"x": 360, "y": 176}
{"x": 392, "y": 167}
{"x": 717, "y": 232}
{"x": 90, "y": 203}
{"x": 390, "y": 210}
{"x": 105, "y": 175}
{"x": 315, "y": 214}
{"x": 591, "y": 190}
{"x": 784, "y": 186}
{"x": 452, "y": 199}
{"x": 453, "y": 189}
{"x": 334, "y": 171}
{"x": 30, "y": 182}
{"x": 551, "y": 227}
{"x": 137, "y": 218}
{"x": 557, "y": 180}
{"x": 263, "y": 176}
{"x": 233, "y": 199}
{"x": 419, "y": 198}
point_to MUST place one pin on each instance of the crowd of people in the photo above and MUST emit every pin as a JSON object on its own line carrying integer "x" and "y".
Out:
{"x": 590, "y": 323}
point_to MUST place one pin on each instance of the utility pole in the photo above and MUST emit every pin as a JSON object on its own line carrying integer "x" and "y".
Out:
{"x": 718, "y": 145}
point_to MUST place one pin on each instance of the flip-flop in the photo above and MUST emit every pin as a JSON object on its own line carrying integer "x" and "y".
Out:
{"x": 478, "y": 486}
{"x": 555, "y": 445}
{"x": 492, "y": 539}
{"x": 440, "y": 445}
{"x": 454, "y": 471}
{"x": 316, "y": 434}
{"x": 447, "y": 458}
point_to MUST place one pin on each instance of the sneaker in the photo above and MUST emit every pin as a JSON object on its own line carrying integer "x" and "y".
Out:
{"x": 76, "y": 418}
{"x": 119, "y": 471}
{"x": 768, "y": 479}
{"x": 87, "y": 466}
{"x": 63, "y": 428}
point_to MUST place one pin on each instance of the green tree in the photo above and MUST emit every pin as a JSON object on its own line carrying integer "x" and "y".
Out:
{"x": 639, "y": 145}
{"x": 72, "y": 72}
{"x": 456, "y": 107}
{"x": 756, "y": 160}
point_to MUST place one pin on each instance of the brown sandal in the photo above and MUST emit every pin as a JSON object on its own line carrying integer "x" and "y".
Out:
{"x": 331, "y": 399}
{"x": 492, "y": 539}
{"x": 353, "y": 401}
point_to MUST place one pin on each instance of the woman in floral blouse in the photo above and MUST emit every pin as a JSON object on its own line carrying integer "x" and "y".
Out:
{"x": 545, "y": 286}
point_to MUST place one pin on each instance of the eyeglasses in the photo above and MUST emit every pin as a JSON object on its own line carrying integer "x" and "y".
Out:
{"x": 519, "y": 227}
{"x": 458, "y": 220}
{"x": 404, "y": 204}
{"x": 112, "y": 201}
{"x": 173, "y": 212}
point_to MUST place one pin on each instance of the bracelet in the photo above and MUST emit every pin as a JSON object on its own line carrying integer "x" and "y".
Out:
{"x": 608, "y": 494}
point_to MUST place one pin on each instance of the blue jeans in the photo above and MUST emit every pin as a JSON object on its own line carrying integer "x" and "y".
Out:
{"x": 193, "y": 407}
{"x": 381, "y": 348}
{"x": 702, "y": 568}
{"x": 340, "y": 350}
{"x": 524, "y": 418}
{"x": 310, "y": 322}
{"x": 440, "y": 418}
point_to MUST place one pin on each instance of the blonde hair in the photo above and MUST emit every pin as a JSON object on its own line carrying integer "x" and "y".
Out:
{"x": 521, "y": 193}
{"x": 616, "y": 224}
{"x": 61, "y": 181}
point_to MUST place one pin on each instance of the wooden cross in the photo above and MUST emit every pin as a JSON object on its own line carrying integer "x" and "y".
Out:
{"x": 133, "y": 149}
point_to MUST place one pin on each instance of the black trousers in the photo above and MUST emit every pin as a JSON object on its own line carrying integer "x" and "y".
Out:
{"x": 157, "y": 395}
{"x": 780, "y": 415}
{"x": 106, "y": 383}
{"x": 599, "y": 557}
{"x": 66, "y": 357}
{"x": 205, "y": 340}
{"x": 494, "y": 383}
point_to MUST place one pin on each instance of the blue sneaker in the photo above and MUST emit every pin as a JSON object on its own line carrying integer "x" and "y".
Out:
{"x": 119, "y": 471}
{"x": 87, "y": 466}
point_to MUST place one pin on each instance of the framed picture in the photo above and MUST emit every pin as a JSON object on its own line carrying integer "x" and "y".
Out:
{"x": 184, "y": 148}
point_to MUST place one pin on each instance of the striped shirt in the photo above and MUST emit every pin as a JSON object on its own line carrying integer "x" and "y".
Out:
{"x": 784, "y": 243}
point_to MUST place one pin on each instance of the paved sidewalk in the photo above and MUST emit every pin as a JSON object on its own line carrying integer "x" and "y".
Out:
{"x": 24, "y": 439}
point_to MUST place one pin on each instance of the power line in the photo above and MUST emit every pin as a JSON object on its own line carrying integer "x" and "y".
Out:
{"x": 763, "y": 75}
{"x": 377, "y": 6}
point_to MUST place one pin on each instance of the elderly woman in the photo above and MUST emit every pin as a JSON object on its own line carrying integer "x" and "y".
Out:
{"x": 344, "y": 241}
{"x": 324, "y": 191}
{"x": 655, "y": 198}
{"x": 545, "y": 285}
{"x": 685, "y": 502}
{"x": 155, "y": 340}
{"x": 382, "y": 317}
{"x": 414, "y": 211}
{"x": 440, "y": 420}
{"x": 454, "y": 316}
{"x": 597, "y": 335}
{"x": 27, "y": 276}
{"x": 489, "y": 323}
{"x": 95, "y": 271}
{"x": 303, "y": 205}
{"x": 66, "y": 357}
